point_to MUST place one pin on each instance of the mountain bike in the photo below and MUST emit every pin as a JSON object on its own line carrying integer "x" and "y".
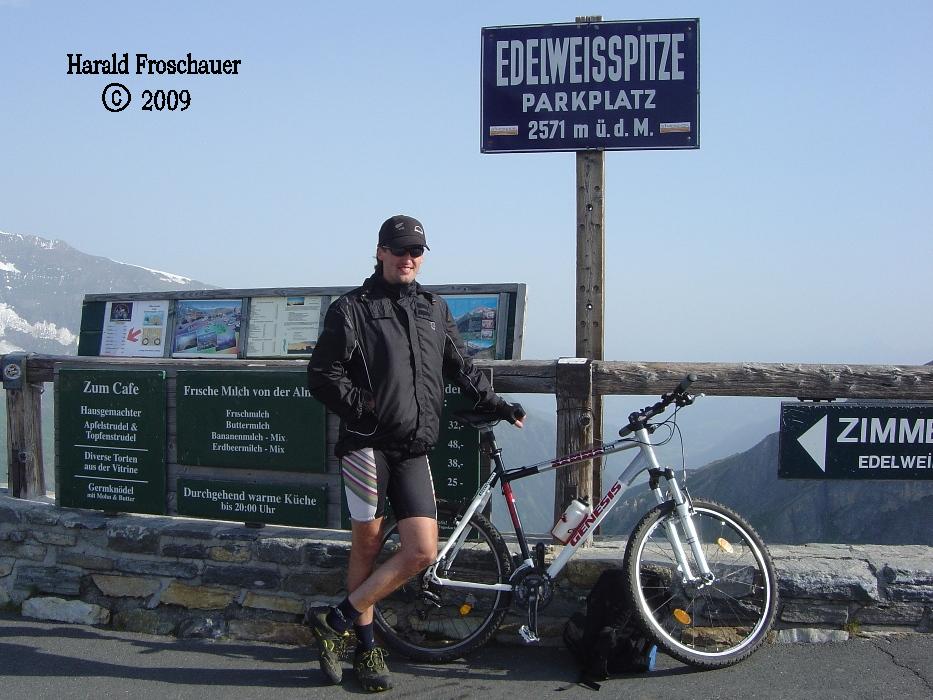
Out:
{"x": 698, "y": 576}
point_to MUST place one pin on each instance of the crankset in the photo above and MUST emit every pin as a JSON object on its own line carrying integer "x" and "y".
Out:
{"x": 534, "y": 590}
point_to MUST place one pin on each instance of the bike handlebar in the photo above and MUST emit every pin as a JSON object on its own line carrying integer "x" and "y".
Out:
{"x": 639, "y": 419}
{"x": 685, "y": 384}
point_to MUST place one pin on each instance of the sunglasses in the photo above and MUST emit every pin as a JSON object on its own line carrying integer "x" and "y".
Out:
{"x": 415, "y": 251}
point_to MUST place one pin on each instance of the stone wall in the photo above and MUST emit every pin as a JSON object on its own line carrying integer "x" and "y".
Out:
{"x": 206, "y": 579}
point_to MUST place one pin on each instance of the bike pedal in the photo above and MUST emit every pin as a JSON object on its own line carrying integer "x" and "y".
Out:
{"x": 527, "y": 635}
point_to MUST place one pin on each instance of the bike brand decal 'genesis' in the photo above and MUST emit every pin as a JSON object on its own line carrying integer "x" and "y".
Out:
{"x": 583, "y": 527}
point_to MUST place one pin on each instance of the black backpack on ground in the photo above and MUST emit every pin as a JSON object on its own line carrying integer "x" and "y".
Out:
{"x": 607, "y": 640}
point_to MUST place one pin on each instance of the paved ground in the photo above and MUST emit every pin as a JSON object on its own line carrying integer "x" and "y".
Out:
{"x": 46, "y": 660}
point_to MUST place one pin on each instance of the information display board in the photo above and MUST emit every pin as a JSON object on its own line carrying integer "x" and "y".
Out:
{"x": 856, "y": 440}
{"x": 111, "y": 439}
{"x": 593, "y": 85}
{"x": 207, "y": 328}
{"x": 477, "y": 318}
{"x": 275, "y": 504}
{"x": 249, "y": 420}
{"x": 283, "y": 326}
{"x": 273, "y": 323}
{"x": 134, "y": 328}
{"x": 227, "y": 424}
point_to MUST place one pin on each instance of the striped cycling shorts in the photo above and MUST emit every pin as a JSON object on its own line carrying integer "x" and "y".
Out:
{"x": 370, "y": 476}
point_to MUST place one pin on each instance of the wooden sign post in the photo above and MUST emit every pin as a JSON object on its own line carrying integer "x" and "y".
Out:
{"x": 585, "y": 479}
{"x": 589, "y": 86}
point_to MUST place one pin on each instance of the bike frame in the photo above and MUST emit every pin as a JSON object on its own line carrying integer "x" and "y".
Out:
{"x": 646, "y": 460}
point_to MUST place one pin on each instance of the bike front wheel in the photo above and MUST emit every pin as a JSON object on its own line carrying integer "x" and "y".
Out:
{"x": 442, "y": 623}
{"x": 709, "y": 624}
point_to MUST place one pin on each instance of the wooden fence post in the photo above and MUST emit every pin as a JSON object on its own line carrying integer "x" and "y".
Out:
{"x": 24, "y": 430}
{"x": 574, "y": 430}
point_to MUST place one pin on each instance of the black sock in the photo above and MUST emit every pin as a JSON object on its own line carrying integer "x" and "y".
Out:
{"x": 365, "y": 637}
{"x": 343, "y": 616}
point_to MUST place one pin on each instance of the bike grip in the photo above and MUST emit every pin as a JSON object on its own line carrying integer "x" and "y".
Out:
{"x": 685, "y": 384}
{"x": 509, "y": 411}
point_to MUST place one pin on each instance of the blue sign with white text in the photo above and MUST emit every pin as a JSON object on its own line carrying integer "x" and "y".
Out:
{"x": 594, "y": 85}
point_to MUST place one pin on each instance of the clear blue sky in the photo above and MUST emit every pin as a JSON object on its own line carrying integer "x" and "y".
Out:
{"x": 800, "y": 231}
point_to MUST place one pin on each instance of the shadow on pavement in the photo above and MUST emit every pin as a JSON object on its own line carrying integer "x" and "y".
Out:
{"x": 258, "y": 665}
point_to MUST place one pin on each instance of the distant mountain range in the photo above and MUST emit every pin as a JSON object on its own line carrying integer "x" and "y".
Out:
{"x": 42, "y": 285}
{"x": 800, "y": 510}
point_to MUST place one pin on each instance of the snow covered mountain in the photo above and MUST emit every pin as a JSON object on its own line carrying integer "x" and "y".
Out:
{"x": 42, "y": 285}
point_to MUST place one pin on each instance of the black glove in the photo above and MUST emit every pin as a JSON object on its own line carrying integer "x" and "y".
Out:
{"x": 509, "y": 411}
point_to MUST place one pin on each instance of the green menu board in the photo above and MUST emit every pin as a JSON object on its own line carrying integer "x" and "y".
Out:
{"x": 455, "y": 459}
{"x": 255, "y": 420}
{"x": 111, "y": 440}
{"x": 275, "y": 504}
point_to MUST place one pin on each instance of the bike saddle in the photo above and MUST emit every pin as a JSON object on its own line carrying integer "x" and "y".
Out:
{"x": 477, "y": 419}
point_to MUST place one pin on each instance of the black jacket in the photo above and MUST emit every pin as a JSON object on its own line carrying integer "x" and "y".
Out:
{"x": 380, "y": 364}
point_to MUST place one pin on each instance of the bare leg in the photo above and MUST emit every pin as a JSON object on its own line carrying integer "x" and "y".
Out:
{"x": 363, "y": 552}
{"x": 367, "y": 587}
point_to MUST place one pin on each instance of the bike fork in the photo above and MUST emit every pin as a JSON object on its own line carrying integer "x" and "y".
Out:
{"x": 685, "y": 516}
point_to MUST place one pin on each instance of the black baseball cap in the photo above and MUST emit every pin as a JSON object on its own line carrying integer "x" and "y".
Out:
{"x": 400, "y": 231}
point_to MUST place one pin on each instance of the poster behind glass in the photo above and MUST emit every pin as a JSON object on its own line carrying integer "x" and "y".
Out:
{"x": 207, "y": 327}
{"x": 476, "y": 317}
{"x": 134, "y": 328}
{"x": 285, "y": 326}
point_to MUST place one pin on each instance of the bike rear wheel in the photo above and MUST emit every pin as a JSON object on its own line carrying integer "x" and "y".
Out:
{"x": 442, "y": 623}
{"x": 709, "y": 625}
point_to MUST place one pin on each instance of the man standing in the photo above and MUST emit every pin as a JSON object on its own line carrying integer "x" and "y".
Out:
{"x": 380, "y": 365}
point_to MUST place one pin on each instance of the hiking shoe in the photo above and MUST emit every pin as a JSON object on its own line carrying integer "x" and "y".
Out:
{"x": 371, "y": 669}
{"x": 330, "y": 642}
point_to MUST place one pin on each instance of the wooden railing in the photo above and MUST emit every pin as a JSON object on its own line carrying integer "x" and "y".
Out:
{"x": 569, "y": 381}
{"x": 574, "y": 383}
